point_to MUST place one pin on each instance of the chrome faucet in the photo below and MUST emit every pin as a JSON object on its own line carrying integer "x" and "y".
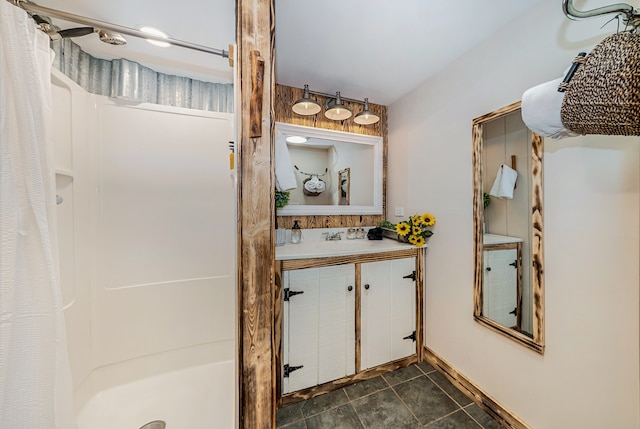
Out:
{"x": 330, "y": 236}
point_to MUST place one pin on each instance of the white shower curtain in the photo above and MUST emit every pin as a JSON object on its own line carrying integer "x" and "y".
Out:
{"x": 35, "y": 382}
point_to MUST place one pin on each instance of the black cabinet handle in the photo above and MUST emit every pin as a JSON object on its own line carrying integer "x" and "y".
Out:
{"x": 349, "y": 288}
{"x": 366, "y": 286}
{"x": 411, "y": 337}
{"x": 411, "y": 276}
{"x": 289, "y": 293}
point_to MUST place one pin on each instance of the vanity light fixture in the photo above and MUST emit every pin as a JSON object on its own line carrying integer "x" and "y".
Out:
{"x": 334, "y": 108}
{"x": 306, "y": 105}
{"x": 366, "y": 117}
{"x": 155, "y": 32}
{"x": 336, "y": 111}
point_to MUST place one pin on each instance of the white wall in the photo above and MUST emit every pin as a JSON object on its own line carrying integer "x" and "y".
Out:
{"x": 313, "y": 160}
{"x": 147, "y": 232}
{"x": 589, "y": 374}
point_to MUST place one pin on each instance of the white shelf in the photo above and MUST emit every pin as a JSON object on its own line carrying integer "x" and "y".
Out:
{"x": 64, "y": 172}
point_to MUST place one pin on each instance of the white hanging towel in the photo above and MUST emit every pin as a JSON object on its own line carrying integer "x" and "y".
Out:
{"x": 541, "y": 110}
{"x": 505, "y": 182}
{"x": 285, "y": 176}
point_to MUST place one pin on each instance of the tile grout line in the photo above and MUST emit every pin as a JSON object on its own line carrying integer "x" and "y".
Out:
{"x": 459, "y": 407}
{"x": 472, "y": 418}
{"x": 368, "y": 394}
{"x": 456, "y": 402}
{"x": 364, "y": 396}
{"x": 451, "y": 397}
{"x": 403, "y": 403}
{"x": 358, "y": 416}
{"x": 441, "y": 418}
{"x": 389, "y": 386}
{"x": 349, "y": 400}
{"x": 446, "y": 393}
{"x": 305, "y": 417}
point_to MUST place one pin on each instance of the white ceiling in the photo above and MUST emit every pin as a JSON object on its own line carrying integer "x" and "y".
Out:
{"x": 378, "y": 49}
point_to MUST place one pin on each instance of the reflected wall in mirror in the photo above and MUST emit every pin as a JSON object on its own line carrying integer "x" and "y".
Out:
{"x": 344, "y": 187}
{"x": 327, "y": 156}
{"x": 508, "y": 280}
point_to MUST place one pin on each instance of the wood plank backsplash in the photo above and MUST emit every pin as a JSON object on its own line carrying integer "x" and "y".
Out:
{"x": 284, "y": 99}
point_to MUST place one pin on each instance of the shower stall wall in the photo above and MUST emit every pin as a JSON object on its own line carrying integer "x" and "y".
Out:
{"x": 147, "y": 254}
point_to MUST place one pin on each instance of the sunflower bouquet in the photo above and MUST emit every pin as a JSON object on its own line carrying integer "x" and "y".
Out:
{"x": 416, "y": 229}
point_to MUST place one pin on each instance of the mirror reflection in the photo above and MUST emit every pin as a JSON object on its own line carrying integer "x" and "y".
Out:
{"x": 344, "y": 187}
{"x": 335, "y": 172}
{"x": 508, "y": 190}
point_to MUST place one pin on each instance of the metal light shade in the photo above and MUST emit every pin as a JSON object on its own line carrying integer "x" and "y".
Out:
{"x": 306, "y": 105}
{"x": 366, "y": 117}
{"x": 336, "y": 111}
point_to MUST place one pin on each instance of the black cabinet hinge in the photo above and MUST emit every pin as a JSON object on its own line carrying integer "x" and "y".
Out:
{"x": 411, "y": 337}
{"x": 289, "y": 369}
{"x": 411, "y": 276}
{"x": 289, "y": 293}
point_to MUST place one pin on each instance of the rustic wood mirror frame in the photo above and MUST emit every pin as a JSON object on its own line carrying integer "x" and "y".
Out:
{"x": 537, "y": 257}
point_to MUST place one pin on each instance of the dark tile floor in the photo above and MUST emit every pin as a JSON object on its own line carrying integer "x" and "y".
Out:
{"x": 413, "y": 397}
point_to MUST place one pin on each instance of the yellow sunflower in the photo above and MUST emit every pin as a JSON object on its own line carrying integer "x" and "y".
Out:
{"x": 428, "y": 219}
{"x": 413, "y": 239}
{"x": 402, "y": 228}
{"x": 419, "y": 241}
{"x": 416, "y": 230}
{"x": 415, "y": 220}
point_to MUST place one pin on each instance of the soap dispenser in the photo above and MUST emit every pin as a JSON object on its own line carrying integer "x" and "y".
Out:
{"x": 296, "y": 233}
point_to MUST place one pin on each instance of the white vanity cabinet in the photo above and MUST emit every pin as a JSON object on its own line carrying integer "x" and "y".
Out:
{"x": 502, "y": 286}
{"x": 345, "y": 318}
{"x": 318, "y": 337}
{"x": 388, "y": 316}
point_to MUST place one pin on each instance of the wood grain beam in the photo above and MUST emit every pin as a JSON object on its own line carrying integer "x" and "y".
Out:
{"x": 255, "y": 86}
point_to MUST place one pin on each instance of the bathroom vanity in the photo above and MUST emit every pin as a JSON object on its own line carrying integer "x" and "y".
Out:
{"x": 502, "y": 280}
{"x": 345, "y": 310}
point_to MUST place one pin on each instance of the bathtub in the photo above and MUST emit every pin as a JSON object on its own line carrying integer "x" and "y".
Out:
{"x": 196, "y": 396}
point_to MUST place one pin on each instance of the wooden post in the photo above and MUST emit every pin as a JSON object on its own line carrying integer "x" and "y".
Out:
{"x": 255, "y": 214}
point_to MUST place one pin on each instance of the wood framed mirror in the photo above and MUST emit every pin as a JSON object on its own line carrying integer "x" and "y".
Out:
{"x": 333, "y": 152}
{"x": 508, "y": 227}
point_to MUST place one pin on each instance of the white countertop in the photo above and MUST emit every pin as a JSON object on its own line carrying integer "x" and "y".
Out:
{"x": 315, "y": 246}
{"x": 499, "y": 239}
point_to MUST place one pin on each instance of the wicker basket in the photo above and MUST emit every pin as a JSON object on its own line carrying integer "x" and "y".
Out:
{"x": 603, "y": 97}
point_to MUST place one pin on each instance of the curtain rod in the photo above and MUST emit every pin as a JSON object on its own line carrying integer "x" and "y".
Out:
{"x": 32, "y": 7}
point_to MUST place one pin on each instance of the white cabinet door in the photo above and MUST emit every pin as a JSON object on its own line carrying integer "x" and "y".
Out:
{"x": 387, "y": 311}
{"x": 318, "y": 326}
{"x": 500, "y": 286}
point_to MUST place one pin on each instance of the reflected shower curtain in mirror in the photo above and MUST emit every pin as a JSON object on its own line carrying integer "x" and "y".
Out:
{"x": 35, "y": 381}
